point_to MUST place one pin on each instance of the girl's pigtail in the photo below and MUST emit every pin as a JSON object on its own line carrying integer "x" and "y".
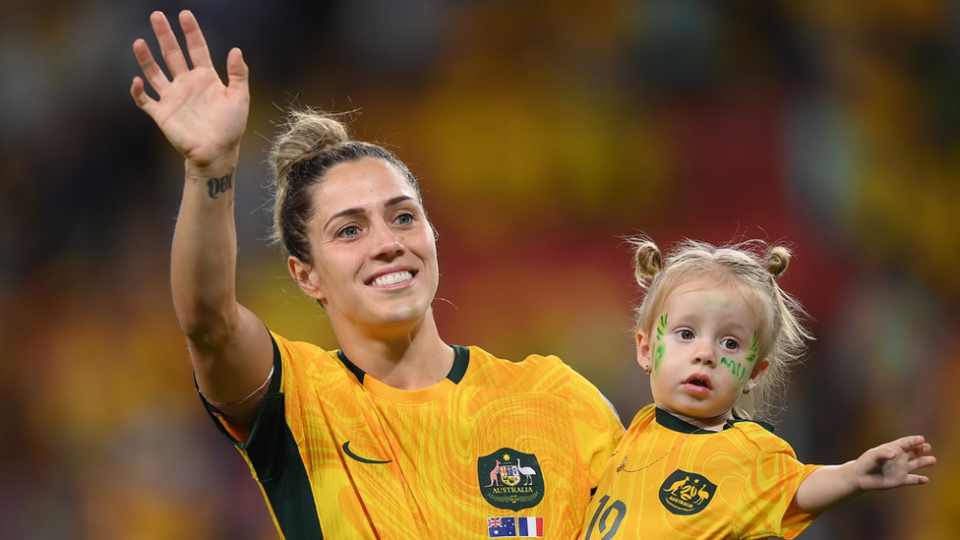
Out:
{"x": 648, "y": 261}
{"x": 778, "y": 258}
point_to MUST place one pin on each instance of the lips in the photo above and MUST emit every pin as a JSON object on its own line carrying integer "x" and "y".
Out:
{"x": 391, "y": 278}
{"x": 698, "y": 380}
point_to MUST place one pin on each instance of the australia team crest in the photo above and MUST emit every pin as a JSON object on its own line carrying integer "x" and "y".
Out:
{"x": 511, "y": 480}
{"x": 686, "y": 493}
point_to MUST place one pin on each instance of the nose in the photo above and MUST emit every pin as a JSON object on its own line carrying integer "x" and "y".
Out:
{"x": 704, "y": 355}
{"x": 386, "y": 241}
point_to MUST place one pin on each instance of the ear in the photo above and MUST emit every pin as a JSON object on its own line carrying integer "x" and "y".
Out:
{"x": 758, "y": 371}
{"x": 643, "y": 351}
{"x": 305, "y": 276}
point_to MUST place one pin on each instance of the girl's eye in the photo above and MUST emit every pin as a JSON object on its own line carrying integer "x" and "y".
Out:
{"x": 730, "y": 344}
{"x": 405, "y": 219}
{"x": 685, "y": 334}
{"x": 348, "y": 232}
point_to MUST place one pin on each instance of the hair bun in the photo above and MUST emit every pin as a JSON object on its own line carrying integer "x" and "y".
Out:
{"x": 306, "y": 134}
{"x": 778, "y": 258}
{"x": 647, "y": 258}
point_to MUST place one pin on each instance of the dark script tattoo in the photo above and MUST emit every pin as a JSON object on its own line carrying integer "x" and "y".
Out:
{"x": 216, "y": 186}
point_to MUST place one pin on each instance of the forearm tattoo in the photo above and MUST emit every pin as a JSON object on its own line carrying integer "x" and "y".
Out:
{"x": 216, "y": 186}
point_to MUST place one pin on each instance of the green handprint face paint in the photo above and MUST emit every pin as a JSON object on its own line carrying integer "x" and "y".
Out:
{"x": 659, "y": 347}
{"x": 753, "y": 350}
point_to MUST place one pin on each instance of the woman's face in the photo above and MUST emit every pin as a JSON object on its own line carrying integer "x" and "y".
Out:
{"x": 374, "y": 252}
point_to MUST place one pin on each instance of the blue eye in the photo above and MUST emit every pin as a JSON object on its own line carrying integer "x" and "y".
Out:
{"x": 405, "y": 219}
{"x": 348, "y": 232}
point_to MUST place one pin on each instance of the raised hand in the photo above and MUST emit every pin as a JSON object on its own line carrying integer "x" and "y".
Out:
{"x": 200, "y": 116}
{"x": 892, "y": 464}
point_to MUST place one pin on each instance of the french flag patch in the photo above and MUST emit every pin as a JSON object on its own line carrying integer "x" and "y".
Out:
{"x": 530, "y": 527}
{"x": 512, "y": 527}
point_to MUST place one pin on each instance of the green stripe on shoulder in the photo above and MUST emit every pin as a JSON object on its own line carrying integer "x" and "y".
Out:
{"x": 275, "y": 458}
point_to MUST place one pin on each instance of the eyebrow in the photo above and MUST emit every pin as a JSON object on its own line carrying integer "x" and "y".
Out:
{"x": 358, "y": 211}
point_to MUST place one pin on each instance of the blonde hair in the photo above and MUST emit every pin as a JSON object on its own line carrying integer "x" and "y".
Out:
{"x": 310, "y": 144}
{"x": 752, "y": 267}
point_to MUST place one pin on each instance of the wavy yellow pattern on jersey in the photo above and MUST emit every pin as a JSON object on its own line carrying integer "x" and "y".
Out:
{"x": 432, "y": 440}
{"x": 756, "y": 474}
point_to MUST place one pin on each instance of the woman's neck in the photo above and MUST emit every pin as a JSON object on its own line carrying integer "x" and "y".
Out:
{"x": 406, "y": 359}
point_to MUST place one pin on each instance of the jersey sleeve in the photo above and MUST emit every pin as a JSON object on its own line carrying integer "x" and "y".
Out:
{"x": 766, "y": 501}
{"x": 597, "y": 425}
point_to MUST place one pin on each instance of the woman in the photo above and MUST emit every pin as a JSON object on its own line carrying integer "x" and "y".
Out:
{"x": 397, "y": 434}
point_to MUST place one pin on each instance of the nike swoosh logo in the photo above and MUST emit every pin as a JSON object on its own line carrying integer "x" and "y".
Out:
{"x": 346, "y": 449}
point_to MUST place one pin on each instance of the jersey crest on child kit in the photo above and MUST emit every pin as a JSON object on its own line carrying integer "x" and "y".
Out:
{"x": 510, "y": 479}
{"x": 685, "y": 493}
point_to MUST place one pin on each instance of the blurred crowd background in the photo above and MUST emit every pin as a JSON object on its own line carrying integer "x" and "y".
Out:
{"x": 544, "y": 132}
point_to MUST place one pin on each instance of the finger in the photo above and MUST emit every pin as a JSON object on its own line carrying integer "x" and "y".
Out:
{"x": 884, "y": 452}
{"x": 903, "y": 444}
{"x": 140, "y": 96}
{"x": 920, "y": 451}
{"x": 196, "y": 44}
{"x": 920, "y": 463}
{"x": 238, "y": 73}
{"x": 169, "y": 47}
{"x": 151, "y": 70}
{"x": 915, "y": 479}
{"x": 910, "y": 442}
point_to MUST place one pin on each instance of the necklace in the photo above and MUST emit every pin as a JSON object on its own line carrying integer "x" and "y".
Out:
{"x": 670, "y": 451}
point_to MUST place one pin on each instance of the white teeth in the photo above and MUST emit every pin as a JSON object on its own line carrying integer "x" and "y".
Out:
{"x": 390, "y": 279}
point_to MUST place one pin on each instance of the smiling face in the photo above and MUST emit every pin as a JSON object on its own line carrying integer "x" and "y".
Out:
{"x": 374, "y": 253}
{"x": 702, "y": 352}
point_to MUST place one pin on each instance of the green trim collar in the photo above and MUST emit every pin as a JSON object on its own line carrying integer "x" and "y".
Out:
{"x": 671, "y": 422}
{"x": 461, "y": 360}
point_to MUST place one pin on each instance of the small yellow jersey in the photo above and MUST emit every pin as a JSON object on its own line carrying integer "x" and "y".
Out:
{"x": 671, "y": 480}
{"x": 497, "y": 449}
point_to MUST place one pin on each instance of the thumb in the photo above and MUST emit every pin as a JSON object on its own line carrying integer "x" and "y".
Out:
{"x": 238, "y": 74}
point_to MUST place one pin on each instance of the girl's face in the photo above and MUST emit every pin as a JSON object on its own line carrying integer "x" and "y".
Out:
{"x": 374, "y": 252}
{"x": 702, "y": 352}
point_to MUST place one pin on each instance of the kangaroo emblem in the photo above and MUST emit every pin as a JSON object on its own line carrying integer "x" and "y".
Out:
{"x": 677, "y": 485}
{"x": 495, "y": 475}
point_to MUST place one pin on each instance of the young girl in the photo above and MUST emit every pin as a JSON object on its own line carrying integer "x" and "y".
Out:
{"x": 716, "y": 335}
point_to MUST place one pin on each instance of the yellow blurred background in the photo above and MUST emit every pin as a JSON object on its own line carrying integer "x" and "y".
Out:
{"x": 543, "y": 132}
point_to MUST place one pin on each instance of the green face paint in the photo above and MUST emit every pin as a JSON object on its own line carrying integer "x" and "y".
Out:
{"x": 659, "y": 348}
{"x": 715, "y": 300}
{"x": 739, "y": 370}
{"x": 753, "y": 350}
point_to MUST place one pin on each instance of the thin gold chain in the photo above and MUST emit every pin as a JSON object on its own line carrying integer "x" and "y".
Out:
{"x": 670, "y": 451}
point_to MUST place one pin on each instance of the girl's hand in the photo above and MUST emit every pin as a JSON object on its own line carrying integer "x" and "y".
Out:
{"x": 203, "y": 119}
{"x": 892, "y": 464}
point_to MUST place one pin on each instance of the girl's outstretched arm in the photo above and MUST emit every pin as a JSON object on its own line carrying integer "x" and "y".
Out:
{"x": 887, "y": 466}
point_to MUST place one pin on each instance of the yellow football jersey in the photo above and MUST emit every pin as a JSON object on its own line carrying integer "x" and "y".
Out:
{"x": 497, "y": 449}
{"x": 670, "y": 480}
